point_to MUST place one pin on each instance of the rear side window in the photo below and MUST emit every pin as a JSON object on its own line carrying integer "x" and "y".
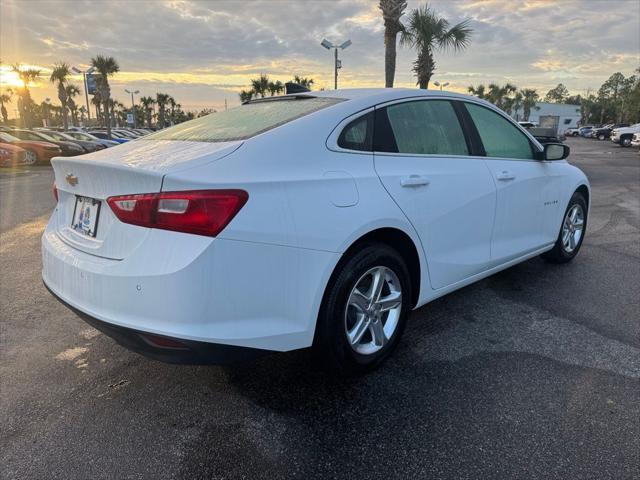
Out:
{"x": 428, "y": 127}
{"x": 244, "y": 121}
{"x": 499, "y": 136}
{"x": 357, "y": 135}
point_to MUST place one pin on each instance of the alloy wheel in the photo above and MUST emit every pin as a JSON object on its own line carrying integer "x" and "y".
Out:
{"x": 373, "y": 310}
{"x": 30, "y": 157}
{"x": 572, "y": 228}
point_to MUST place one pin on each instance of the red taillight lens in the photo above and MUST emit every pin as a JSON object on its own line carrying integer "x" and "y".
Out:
{"x": 55, "y": 191}
{"x": 202, "y": 212}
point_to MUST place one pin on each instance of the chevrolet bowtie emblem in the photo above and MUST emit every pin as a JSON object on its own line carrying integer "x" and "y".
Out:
{"x": 72, "y": 179}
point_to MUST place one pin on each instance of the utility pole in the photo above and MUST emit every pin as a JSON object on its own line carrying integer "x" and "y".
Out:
{"x": 337, "y": 64}
{"x": 133, "y": 105}
{"x": 86, "y": 89}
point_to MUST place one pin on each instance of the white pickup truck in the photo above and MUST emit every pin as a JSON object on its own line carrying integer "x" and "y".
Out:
{"x": 624, "y": 135}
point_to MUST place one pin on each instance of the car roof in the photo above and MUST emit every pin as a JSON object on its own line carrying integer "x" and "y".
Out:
{"x": 382, "y": 94}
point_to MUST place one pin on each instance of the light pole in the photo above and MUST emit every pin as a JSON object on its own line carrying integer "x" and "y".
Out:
{"x": 84, "y": 81}
{"x": 133, "y": 105}
{"x": 441, "y": 85}
{"x": 337, "y": 63}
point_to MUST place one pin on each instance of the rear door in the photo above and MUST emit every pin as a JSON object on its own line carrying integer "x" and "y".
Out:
{"x": 423, "y": 159}
{"x": 527, "y": 188}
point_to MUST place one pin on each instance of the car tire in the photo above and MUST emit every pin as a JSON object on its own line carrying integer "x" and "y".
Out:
{"x": 601, "y": 137}
{"x": 354, "y": 334}
{"x": 625, "y": 141}
{"x": 572, "y": 231}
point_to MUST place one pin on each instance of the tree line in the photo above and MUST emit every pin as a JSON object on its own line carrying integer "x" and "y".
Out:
{"x": 108, "y": 111}
{"x": 262, "y": 86}
{"x": 616, "y": 101}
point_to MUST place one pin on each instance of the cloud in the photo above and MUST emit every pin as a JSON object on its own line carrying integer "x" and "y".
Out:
{"x": 206, "y": 51}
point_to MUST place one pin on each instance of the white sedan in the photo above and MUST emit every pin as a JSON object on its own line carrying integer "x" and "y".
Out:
{"x": 317, "y": 219}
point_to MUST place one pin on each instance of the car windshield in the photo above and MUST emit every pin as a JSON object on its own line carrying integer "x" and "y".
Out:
{"x": 245, "y": 121}
{"x": 82, "y": 136}
{"x": 44, "y": 136}
{"x": 58, "y": 135}
{"x": 5, "y": 137}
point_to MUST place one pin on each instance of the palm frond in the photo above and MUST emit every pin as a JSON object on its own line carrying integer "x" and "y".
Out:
{"x": 457, "y": 37}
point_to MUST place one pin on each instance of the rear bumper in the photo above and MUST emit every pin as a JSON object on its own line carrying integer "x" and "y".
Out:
{"x": 210, "y": 293}
{"x": 190, "y": 353}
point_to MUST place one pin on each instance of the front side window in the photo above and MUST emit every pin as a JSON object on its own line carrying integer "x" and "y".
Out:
{"x": 244, "y": 121}
{"x": 428, "y": 127}
{"x": 499, "y": 136}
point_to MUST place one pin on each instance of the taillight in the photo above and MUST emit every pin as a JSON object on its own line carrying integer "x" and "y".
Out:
{"x": 55, "y": 191}
{"x": 202, "y": 212}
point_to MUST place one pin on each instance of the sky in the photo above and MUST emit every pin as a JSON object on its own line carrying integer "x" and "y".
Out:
{"x": 204, "y": 52}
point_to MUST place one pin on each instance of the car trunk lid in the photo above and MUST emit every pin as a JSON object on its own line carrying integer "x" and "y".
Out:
{"x": 135, "y": 167}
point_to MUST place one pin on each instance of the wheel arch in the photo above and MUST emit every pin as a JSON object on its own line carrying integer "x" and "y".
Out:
{"x": 401, "y": 242}
{"x": 584, "y": 191}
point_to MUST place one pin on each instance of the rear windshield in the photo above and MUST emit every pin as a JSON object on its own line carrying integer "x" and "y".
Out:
{"x": 243, "y": 122}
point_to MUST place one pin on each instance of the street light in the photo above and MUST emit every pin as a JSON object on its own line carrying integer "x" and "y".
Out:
{"x": 337, "y": 63}
{"x": 441, "y": 85}
{"x": 84, "y": 81}
{"x": 133, "y": 105}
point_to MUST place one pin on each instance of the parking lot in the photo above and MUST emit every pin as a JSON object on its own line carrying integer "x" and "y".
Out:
{"x": 531, "y": 373}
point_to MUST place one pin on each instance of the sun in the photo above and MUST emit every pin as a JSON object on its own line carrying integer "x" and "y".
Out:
{"x": 10, "y": 79}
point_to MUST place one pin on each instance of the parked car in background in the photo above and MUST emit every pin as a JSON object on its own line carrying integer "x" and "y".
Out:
{"x": 105, "y": 136}
{"x": 126, "y": 133}
{"x": 585, "y": 131}
{"x": 12, "y": 155}
{"x": 69, "y": 149}
{"x": 36, "y": 151}
{"x": 635, "y": 141}
{"x": 88, "y": 145}
{"x": 604, "y": 133}
{"x": 92, "y": 138}
{"x": 624, "y": 135}
{"x": 273, "y": 226}
{"x": 572, "y": 132}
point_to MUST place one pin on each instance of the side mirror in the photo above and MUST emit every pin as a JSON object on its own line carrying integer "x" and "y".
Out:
{"x": 555, "y": 151}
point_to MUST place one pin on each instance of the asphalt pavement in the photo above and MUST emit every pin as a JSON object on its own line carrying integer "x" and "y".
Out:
{"x": 531, "y": 373}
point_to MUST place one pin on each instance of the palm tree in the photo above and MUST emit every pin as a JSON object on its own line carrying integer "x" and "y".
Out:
{"x": 97, "y": 102}
{"x": 5, "y": 98}
{"x": 260, "y": 85}
{"x": 246, "y": 95}
{"x": 275, "y": 87}
{"x": 500, "y": 96}
{"x": 391, "y": 10}
{"x": 303, "y": 81}
{"x": 147, "y": 107}
{"x": 478, "y": 91}
{"x": 172, "y": 105}
{"x": 162, "y": 99}
{"x": 83, "y": 113}
{"x": 105, "y": 67}
{"x": 60, "y": 74}
{"x": 72, "y": 91}
{"x": 428, "y": 32}
{"x": 529, "y": 99}
{"x": 27, "y": 76}
{"x": 516, "y": 104}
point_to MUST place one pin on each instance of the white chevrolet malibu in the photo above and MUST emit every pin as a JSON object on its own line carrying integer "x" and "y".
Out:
{"x": 316, "y": 219}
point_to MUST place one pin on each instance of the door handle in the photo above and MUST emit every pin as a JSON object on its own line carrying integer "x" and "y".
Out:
{"x": 414, "y": 181}
{"x": 504, "y": 176}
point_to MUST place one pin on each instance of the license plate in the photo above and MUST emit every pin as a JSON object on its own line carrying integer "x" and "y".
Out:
{"x": 85, "y": 216}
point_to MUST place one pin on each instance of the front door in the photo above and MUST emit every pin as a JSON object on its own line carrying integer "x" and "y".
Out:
{"x": 527, "y": 189}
